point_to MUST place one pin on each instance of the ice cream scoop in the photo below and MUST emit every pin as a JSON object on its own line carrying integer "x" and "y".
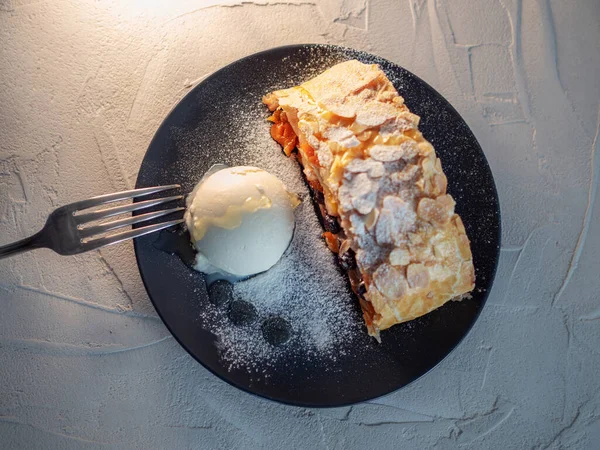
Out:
{"x": 241, "y": 221}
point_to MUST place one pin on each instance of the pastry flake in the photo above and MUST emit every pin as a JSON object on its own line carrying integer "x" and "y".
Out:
{"x": 381, "y": 191}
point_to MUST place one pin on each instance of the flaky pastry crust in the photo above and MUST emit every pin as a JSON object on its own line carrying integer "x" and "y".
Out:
{"x": 404, "y": 248}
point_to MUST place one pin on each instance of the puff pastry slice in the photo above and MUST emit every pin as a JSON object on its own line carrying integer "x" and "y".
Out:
{"x": 381, "y": 190}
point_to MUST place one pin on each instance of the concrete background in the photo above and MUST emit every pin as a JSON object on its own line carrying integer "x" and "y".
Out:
{"x": 84, "y": 361}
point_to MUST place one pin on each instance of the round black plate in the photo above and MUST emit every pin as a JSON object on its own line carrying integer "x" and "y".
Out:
{"x": 201, "y": 130}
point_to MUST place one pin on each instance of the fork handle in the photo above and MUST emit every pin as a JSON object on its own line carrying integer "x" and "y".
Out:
{"x": 21, "y": 246}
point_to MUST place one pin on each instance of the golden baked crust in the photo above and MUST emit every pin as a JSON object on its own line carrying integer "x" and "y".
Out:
{"x": 360, "y": 146}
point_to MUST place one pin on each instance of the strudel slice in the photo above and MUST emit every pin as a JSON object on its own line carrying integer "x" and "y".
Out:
{"x": 381, "y": 191}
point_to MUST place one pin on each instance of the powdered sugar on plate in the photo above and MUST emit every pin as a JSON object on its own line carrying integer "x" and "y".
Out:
{"x": 306, "y": 287}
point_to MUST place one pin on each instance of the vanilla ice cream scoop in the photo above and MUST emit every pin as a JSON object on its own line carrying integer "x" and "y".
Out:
{"x": 241, "y": 221}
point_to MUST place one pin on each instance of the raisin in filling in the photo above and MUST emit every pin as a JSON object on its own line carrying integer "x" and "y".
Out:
{"x": 335, "y": 239}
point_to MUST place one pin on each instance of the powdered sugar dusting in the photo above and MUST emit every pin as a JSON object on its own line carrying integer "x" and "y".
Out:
{"x": 307, "y": 290}
{"x": 305, "y": 287}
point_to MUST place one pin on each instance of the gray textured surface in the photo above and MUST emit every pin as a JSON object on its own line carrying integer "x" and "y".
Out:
{"x": 84, "y": 361}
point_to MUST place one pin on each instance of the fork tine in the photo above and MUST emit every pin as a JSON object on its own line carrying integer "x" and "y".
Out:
{"x": 108, "y": 212}
{"x": 91, "y": 231}
{"x": 125, "y": 235}
{"x": 124, "y": 195}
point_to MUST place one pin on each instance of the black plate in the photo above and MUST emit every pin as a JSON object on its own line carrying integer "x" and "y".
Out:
{"x": 203, "y": 129}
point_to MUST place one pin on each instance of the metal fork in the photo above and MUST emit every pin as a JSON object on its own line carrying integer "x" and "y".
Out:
{"x": 66, "y": 232}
